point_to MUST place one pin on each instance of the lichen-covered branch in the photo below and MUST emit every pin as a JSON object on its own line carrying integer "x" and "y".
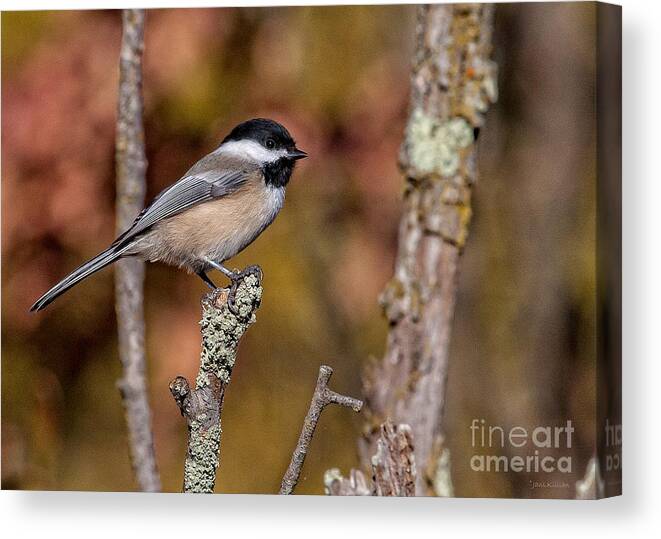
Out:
{"x": 129, "y": 273}
{"x": 202, "y": 407}
{"x": 393, "y": 468}
{"x": 452, "y": 84}
{"x": 322, "y": 397}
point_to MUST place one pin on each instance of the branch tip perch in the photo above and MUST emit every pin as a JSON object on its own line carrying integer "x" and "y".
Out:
{"x": 322, "y": 397}
{"x": 202, "y": 407}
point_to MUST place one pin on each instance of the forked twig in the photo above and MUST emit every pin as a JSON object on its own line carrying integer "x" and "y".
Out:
{"x": 322, "y": 397}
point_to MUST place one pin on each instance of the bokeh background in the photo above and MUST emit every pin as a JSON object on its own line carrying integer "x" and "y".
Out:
{"x": 337, "y": 77}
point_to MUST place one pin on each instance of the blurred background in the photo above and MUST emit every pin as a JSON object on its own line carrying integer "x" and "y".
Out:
{"x": 337, "y": 77}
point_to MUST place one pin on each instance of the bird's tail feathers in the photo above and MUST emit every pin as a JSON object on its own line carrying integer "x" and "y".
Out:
{"x": 88, "y": 268}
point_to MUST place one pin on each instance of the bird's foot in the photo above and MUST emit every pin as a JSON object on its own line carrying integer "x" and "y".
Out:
{"x": 207, "y": 280}
{"x": 236, "y": 278}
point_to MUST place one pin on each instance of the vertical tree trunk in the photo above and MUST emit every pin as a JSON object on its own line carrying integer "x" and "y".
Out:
{"x": 452, "y": 84}
{"x": 129, "y": 273}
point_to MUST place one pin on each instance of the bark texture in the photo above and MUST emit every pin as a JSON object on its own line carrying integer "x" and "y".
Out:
{"x": 129, "y": 273}
{"x": 453, "y": 82}
{"x": 393, "y": 463}
{"x": 202, "y": 407}
{"x": 322, "y": 397}
{"x": 393, "y": 468}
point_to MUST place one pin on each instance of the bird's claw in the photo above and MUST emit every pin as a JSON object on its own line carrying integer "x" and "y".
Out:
{"x": 236, "y": 279}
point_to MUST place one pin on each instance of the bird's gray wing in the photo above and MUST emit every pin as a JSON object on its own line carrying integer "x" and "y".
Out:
{"x": 189, "y": 191}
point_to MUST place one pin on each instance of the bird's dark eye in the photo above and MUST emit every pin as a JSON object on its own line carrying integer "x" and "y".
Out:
{"x": 270, "y": 143}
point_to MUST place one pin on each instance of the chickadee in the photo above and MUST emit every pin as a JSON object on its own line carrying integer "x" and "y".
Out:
{"x": 213, "y": 212}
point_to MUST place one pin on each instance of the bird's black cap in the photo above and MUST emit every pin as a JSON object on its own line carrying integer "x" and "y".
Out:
{"x": 268, "y": 133}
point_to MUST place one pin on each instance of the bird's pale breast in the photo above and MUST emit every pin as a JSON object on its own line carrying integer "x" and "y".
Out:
{"x": 218, "y": 229}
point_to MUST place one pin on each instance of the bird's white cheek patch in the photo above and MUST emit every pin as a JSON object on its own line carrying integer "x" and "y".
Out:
{"x": 253, "y": 150}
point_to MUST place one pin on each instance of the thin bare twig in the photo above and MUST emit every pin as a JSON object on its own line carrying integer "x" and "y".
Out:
{"x": 322, "y": 397}
{"x": 202, "y": 407}
{"x": 129, "y": 274}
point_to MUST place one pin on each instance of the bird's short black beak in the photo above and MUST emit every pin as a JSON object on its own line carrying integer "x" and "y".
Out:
{"x": 296, "y": 154}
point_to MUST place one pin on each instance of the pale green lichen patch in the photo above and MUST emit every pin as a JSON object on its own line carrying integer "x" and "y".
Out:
{"x": 433, "y": 146}
{"x": 202, "y": 459}
{"x": 222, "y": 330}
